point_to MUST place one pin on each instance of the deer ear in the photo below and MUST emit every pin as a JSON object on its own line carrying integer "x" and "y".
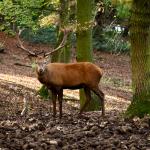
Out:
{"x": 48, "y": 58}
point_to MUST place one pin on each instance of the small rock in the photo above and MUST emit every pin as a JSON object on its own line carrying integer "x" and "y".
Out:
{"x": 89, "y": 133}
{"x": 32, "y": 145}
{"x": 32, "y": 120}
{"x": 94, "y": 128}
{"x": 67, "y": 147}
{"x": 46, "y": 115}
{"x": 134, "y": 137}
{"x": 24, "y": 128}
{"x": 85, "y": 128}
{"x": 103, "y": 124}
{"x": 94, "y": 143}
{"x": 25, "y": 146}
{"x": 116, "y": 142}
{"x": 136, "y": 119}
{"x": 53, "y": 142}
{"x": 33, "y": 127}
{"x": 60, "y": 143}
{"x": 145, "y": 125}
{"x": 18, "y": 133}
{"x": 148, "y": 138}
{"x": 124, "y": 147}
{"x": 53, "y": 147}
{"x": 133, "y": 148}
{"x": 44, "y": 145}
{"x": 124, "y": 129}
{"x": 51, "y": 131}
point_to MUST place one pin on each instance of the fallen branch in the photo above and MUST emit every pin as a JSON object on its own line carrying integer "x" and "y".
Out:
{"x": 20, "y": 64}
{"x": 71, "y": 98}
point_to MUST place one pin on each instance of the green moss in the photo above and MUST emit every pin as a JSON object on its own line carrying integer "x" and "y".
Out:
{"x": 94, "y": 104}
{"x": 43, "y": 92}
{"x": 138, "y": 108}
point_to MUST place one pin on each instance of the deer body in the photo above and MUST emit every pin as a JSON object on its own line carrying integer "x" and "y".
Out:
{"x": 70, "y": 75}
{"x": 59, "y": 76}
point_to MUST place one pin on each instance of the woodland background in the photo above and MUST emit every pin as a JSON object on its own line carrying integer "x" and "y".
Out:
{"x": 112, "y": 34}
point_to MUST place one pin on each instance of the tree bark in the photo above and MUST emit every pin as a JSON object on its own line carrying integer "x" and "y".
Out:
{"x": 84, "y": 40}
{"x": 140, "y": 58}
{"x": 64, "y": 54}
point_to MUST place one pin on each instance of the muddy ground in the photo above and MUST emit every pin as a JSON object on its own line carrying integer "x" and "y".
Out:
{"x": 38, "y": 130}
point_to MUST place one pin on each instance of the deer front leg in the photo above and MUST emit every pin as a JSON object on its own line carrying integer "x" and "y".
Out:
{"x": 54, "y": 97}
{"x": 60, "y": 97}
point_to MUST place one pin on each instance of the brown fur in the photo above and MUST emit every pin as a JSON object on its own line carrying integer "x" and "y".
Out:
{"x": 59, "y": 76}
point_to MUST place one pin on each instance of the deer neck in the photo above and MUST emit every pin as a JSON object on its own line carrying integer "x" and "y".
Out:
{"x": 41, "y": 75}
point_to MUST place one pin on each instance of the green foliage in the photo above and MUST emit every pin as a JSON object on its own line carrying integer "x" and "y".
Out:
{"x": 139, "y": 107}
{"x": 45, "y": 35}
{"x": 24, "y": 13}
{"x": 95, "y": 102}
{"x": 43, "y": 92}
{"x": 109, "y": 40}
{"x": 123, "y": 11}
{"x": 105, "y": 36}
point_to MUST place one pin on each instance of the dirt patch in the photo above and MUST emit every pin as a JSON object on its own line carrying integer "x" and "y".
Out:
{"x": 38, "y": 130}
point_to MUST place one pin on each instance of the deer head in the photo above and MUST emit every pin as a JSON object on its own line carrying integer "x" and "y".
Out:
{"x": 41, "y": 58}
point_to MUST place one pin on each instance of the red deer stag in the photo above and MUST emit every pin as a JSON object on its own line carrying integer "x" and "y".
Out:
{"x": 59, "y": 76}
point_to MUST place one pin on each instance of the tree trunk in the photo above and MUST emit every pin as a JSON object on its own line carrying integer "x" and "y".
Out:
{"x": 140, "y": 58}
{"x": 64, "y": 54}
{"x": 84, "y": 39}
{"x": 84, "y": 30}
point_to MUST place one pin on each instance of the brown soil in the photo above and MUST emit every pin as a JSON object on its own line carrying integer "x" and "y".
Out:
{"x": 38, "y": 130}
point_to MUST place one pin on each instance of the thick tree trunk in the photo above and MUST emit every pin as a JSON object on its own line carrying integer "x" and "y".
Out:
{"x": 84, "y": 30}
{"x": 84, "y": 40}
{"x": 140, "y": 58}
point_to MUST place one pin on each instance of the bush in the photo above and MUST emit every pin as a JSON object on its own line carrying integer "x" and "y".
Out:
{"x": 46, "y": 35}
{"x": 110, "y": 39}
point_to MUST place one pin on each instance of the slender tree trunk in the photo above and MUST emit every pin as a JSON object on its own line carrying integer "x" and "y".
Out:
{"x": 64, "y": 54}
{"x": 140, "y": 58}
{"x": 84, "y": 39}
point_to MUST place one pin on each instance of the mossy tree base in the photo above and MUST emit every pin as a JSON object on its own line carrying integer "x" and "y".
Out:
{"x": 140, "y": 58}
{"x": 139, "y": 107}
{"x": 93, "y": 105}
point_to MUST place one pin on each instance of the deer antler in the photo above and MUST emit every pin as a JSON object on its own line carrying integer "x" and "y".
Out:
{"x": 62, "y": 44}
{"x": 20, "y": 44}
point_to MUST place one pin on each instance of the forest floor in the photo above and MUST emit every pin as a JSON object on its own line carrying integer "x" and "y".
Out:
{"x": 38, "y": 130}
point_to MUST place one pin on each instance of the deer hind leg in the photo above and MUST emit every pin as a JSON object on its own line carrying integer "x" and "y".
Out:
{"x": 60, "y": 97}
{"x": 54, "y": 97}
{"x": 100, "y": 94}
{"x": 88, "y": 98}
